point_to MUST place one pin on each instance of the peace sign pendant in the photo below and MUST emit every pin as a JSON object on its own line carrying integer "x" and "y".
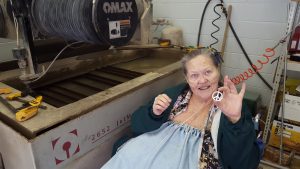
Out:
{"x": 217, "y": 96}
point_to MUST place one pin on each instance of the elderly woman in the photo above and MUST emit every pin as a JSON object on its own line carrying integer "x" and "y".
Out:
{"x": 184, "y": 128}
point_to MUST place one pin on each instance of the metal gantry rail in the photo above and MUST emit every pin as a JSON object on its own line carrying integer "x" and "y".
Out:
{"x": 294, "y": 16}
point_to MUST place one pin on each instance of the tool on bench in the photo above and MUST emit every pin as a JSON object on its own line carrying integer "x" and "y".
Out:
{"x": 5, "y": 90}
{"x": 23, "y": 113}
{"x": 28, "y": 110}
{"x": 13, "y": 96}
{"x": 16, "y": 96}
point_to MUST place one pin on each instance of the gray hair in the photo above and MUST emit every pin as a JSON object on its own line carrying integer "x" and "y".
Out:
{"x": 212, "y": 53}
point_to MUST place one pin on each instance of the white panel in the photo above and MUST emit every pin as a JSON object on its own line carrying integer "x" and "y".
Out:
{"x": 189, "y": 39}
{"x": 190, "y": 26}
{"x": 92, "y": 129}
{"x": 260, "y": 12}
{"x": 264, "y": 1}
{"x": 256, "y": 81}
{"x": 183, "y": 10}
{"x": 260, "y": 24}
{"x": 252, "y": 46}
{"x": 267, "y": 68}
{"x": 244, "y": 29}
{"x": 239, "y": 61}
{"x": 103, "y": 151}
{"x": 177, "y": 10}
{"x": 232, "y": 60}
{"x": 229, "y": 71}
{"x": 15, "y": 149}
{"x": 192, "y": 1}
{"x": 5, "y": 51}
{"x": 265, "y": 93}
{"x": 259, "y": 30}
{"x": 3, "y": 40}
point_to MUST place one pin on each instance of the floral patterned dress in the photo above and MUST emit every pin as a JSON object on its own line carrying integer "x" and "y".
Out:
{"x": 173, "y": 146}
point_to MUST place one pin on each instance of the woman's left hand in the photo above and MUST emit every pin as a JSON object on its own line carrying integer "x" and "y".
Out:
{"x": 231, "y": 104}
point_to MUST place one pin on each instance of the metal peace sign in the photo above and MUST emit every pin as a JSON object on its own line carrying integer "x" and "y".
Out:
{"x": 217, "y": 96}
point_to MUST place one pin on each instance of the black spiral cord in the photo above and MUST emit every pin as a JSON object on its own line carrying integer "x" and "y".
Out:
{"x": 71, "y": 19}
{"x": 235, "y": 36}
{"x": 216, "y": 26}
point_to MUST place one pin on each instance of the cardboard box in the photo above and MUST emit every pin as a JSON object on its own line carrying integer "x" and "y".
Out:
{"x": 291, "y": 136}
{"x": 292, "y": 108}
{"x": 273, "y": 154}
{"x": 291, "y": 86}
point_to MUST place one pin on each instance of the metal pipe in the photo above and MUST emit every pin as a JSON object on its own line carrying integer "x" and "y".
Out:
{"x": 284, "y": 89}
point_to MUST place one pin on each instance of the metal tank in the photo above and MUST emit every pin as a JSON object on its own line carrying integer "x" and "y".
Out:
{"x": 89, "y": 101}
{"x": 90, "y": 94}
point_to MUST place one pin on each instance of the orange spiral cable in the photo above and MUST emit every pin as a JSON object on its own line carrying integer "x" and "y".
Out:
{"x": 254, "y": 68}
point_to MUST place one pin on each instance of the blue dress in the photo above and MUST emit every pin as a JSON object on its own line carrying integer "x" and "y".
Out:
{"x": 172, "y": 146}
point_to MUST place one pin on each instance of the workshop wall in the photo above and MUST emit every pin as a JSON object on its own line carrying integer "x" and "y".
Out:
{"x": 259, "y": 24}
{"x": 9, "y": 42}
{"x": 6, "y": 45}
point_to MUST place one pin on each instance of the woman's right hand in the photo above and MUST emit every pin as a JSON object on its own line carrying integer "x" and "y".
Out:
{"x": 161, "y": 103}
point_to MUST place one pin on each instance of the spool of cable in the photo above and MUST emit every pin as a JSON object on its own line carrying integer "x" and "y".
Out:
{"x": 2, "y": 23}
{"x": 115, "y": 21}
{"x": 110, "y": 22}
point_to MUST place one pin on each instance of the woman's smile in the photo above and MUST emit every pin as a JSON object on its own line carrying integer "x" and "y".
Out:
{"x": 204, "y": 87}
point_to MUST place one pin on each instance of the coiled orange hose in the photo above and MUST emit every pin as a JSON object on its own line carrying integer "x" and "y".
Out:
{"x": 254, "y": 68}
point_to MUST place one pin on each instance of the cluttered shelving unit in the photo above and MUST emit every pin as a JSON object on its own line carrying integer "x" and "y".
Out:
{"x": 293, "y": 68}
{"x": 282, "y": 125}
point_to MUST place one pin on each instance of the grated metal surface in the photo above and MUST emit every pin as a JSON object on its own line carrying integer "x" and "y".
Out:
{"x": 71, "y": 90}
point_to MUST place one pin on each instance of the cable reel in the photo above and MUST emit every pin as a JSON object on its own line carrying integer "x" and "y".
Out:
{"x": 115, "y": 21}
{"x": 109, "y": 22}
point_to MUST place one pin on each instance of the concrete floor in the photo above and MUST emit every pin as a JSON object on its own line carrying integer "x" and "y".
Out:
{"x": 295, "y": 164}
{"x": 262, "y": 166}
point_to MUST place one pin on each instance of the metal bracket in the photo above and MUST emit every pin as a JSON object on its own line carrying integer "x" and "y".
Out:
{"x": 270, "y": 115}
{"x": 20, "y": 12}
{"x": 278, "y": 74}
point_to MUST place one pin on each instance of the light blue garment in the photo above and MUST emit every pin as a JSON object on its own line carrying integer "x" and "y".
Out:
{"x": 172, "y": 146}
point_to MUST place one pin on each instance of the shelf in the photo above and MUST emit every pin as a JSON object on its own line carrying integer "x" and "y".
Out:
{"x": 293, "y": 69}
{"x": 293, "y": 66}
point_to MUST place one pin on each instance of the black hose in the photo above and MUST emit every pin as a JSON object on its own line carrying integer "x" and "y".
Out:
{"x": 247, "y": 57}
{"x": 236, "y": 37}
{"x": 240, "y": 44}
{"x": 244, "y": 51}
{"x": 201, "y": 22}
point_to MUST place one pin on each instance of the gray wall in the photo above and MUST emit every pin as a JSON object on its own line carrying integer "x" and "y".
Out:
{"x": 259, "y": 23}
{"x": 6, "y": 45}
